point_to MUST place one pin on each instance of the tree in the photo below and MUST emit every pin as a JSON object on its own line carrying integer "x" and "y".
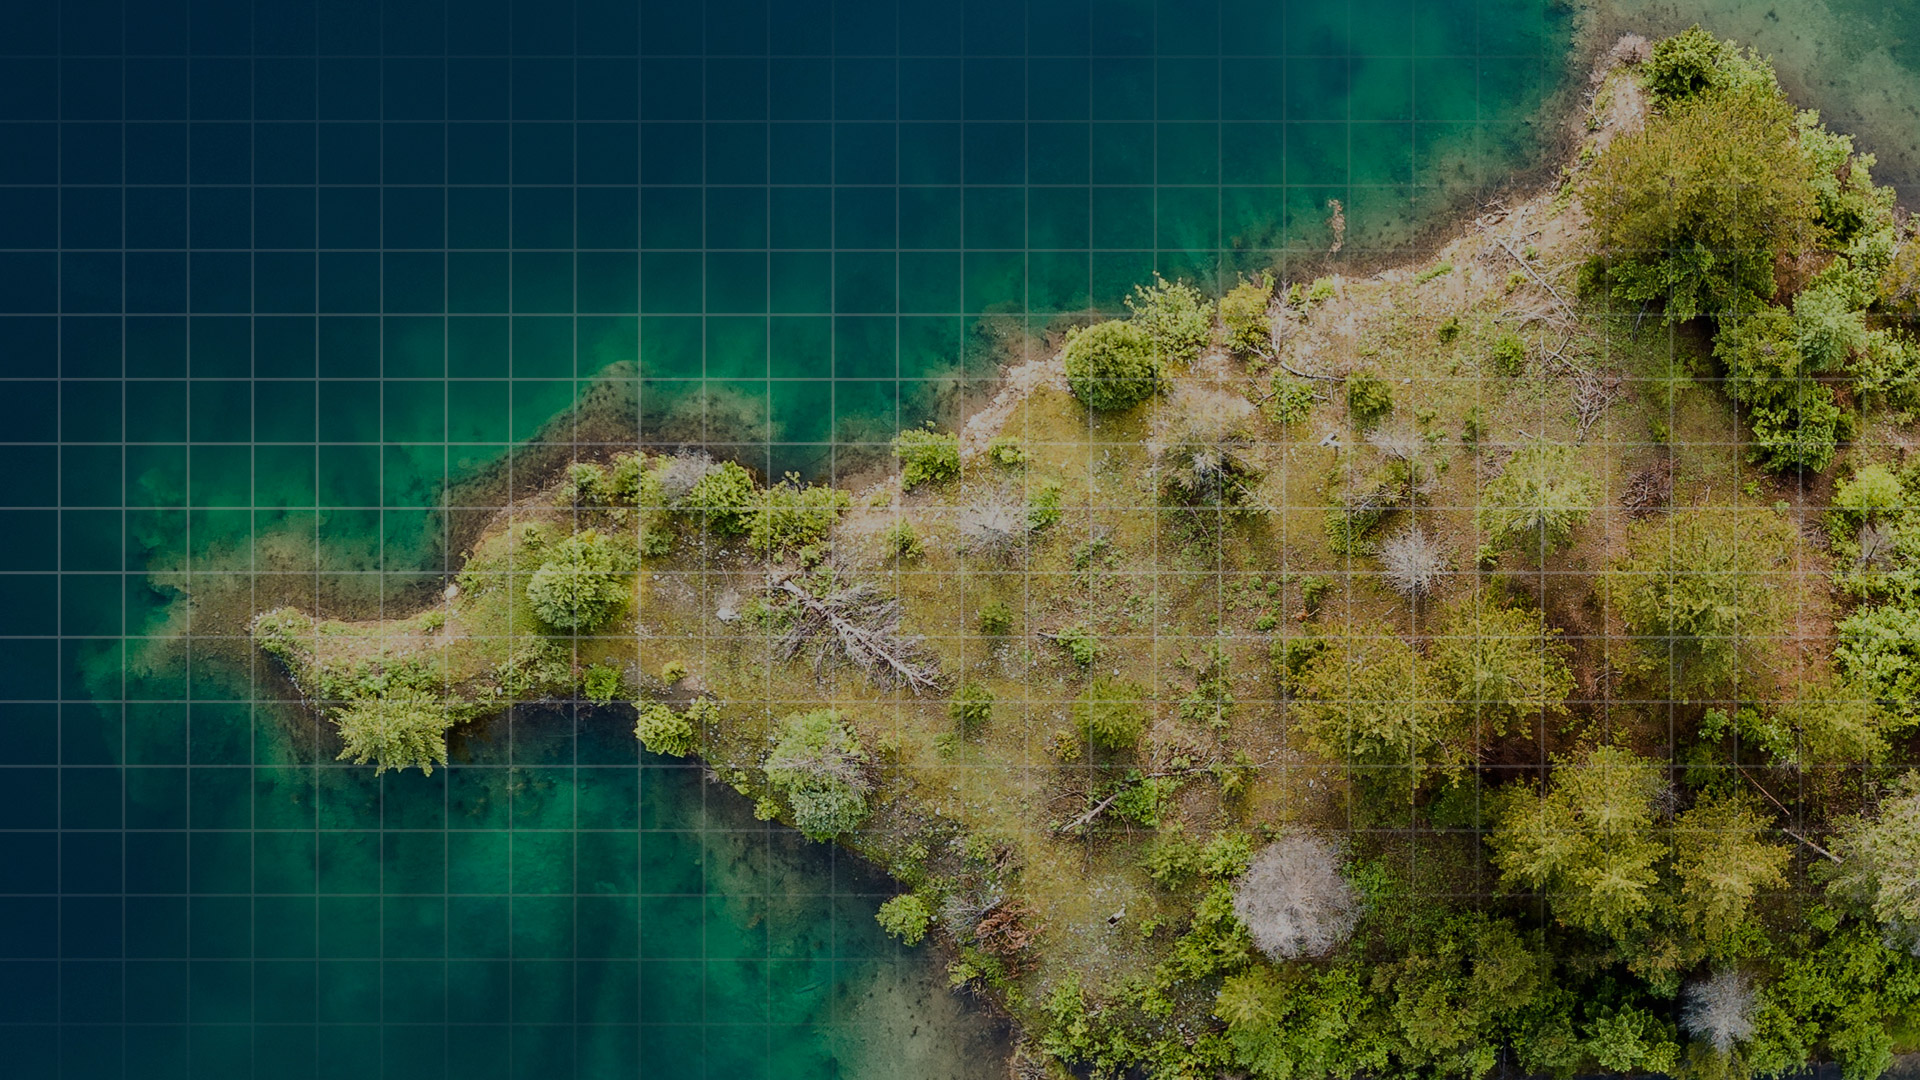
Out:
{"x": 1500, "y": 667}
{"x": 581, "y": 583}
{"x": 1723, "y": 861}
{"x": 1110, "y": 714}
{"x": 1111, "y": 365}
{"x": 1700, "y": 588}
{"x": 905, "y": 917}
{"x": 1243, "y": 312}
{"x": 724, "y": 497}
{"x": 663, "y": 731}
{"x": 821, "y": 767}
{"x": 1177, "y": 319}
{"x": 926, "y": 456}
{"x": 1693, "y": 210}
{"x": 1773, "y": 358}
{"x": 1879, "y": 651}
{"x": 1588, "y": 842}
{"x": 1542, "y": 495}
{"x": 1294, "y": 900}
{"x": 1879, "y": 867}
{"x": 792, "y": 515}
{"x": 402, "y": 729}
{"x": 1693, "y": 62}
{"x": 1368, "y": 699}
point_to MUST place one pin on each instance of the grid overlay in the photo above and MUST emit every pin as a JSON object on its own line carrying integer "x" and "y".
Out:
{"x": 295, "y": 274}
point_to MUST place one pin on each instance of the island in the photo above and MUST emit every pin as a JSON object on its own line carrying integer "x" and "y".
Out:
{"x": 1507, "y": 660}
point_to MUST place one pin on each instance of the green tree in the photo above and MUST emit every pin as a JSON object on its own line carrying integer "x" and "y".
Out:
{"x": 1177, "y": 319}
{"x": 402, "y": 729}
{"x": 1723, "y": 859}
{"x": 1537, "y": 501}
{"x": 905, "y": 917}
{"x": 724, "y": 499}
{"x": 1693, "y": 62}
{"x": 1879, "y": 867}
{"x": 821, "y": 767}
{"x": 971, "y": 707}
{"x": 1879, "y": 652}
{"x": 1111, "y": 714}
{"x": 663, "y": 731}
{"x": 1500, "y": 667}
{"x": 792, "y": 515}
{"x": 1243, "y": 312}
{"x": 1111, "y": 365}
{"x": 1367, "y": 698}
{"x": 583, "y": 581}
{"x": 927, "y": 456}
{"x": 1702, "y": 588}
{"x": 1589, "y": 843}
{"x": 1694, "y": 209}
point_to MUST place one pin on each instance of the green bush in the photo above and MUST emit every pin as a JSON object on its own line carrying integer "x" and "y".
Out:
{"x": 582, "y": 583}
{"x": 1542, "y": 495}
{"x": 1111, "y": 365}
{"x": 1693, "y": 62}
{"x": 663, "y": 731}
{"x": 1508, "y": 353}
{"x": 1696, "y": 600}
{"x": 404, "y": 729}
{"x": 905, "y": 917}
{"x": 926, "y": 456}
{"x": 1501, "y": 668}
{"x": 724, "y": 500}
{"x": 1111, "y": 715}
{"x": 1080, "y": 643}
{"x": 1368, "y": 397}
{"x": 1879, "y": 651}
{"x": 1869, "y": 493}
{"x": 901, "y": 540}
{"x": 1175, "y": 316}
{"x": 601, "y": 683}
{"x": 1450, "y": 328}
{"x": 996, "y": 619}
{"x": 821, "y": 767}
{"x": 1243, "y": 312}
{"x": 1043, "y": 506}
{"x": 971, "y": 707}
{"x": 1292, "y": 399}
{"x": 792, "y": 515}
{"x": 1006, "y": 450}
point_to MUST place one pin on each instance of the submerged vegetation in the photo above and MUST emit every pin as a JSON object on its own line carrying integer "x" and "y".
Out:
{"x": 1404, "y": 676}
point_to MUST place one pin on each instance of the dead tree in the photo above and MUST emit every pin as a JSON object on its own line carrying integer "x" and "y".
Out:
{"x": 858, "y": 625}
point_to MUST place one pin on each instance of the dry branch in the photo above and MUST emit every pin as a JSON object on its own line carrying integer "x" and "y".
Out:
{"x": 859, "y": 625}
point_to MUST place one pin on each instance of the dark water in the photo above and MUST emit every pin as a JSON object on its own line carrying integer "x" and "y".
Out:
{"x": 274, "y": 278}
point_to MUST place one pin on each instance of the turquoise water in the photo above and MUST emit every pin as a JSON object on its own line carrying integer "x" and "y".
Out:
{"x": 285, "y": 290}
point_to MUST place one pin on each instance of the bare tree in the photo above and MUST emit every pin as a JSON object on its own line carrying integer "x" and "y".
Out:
{"x": 858, "y": 625}
{"x": 1413, "y": 563}
{"x": 684, "y": 470}
{"x": 1719, "y": 1010}
{"x": 1294, "y": 900}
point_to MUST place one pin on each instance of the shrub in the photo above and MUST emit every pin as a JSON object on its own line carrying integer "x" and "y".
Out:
{"x": 1723, "y": 860}
{"x": 905, "y": 917}
{"x": 1698, "y": 588}
{"x": 926, "y": 456}
{"x": 821, "y": 767}
{"x": 1693, "y": 62}
{"x": 1368, "y": 397}
{"x": 1879, "y": 651}
{"x": 1542, "y": 495}
{"x": 724, "y": 498}
{"x": 601, "y": 683}
{"x": 663, "y": 731}
{"x": 581, "y": 583}
{"x": 1110, "y": 714}
{"x": 791, "y": 516}
{"x": 1177, "y": 319}
{"x": 971, "y": 707}
{"x": 1243, "y": 312}
{"x": 1006, "y": 450}
{"x": 901, "y": 540}
{"x": 1366, "y": 699}
{"x": 1111, "y": 365}
{"x": 1080, "y": 643}
{"x": 1449, "y": 327}
{"x": 996, "y": 619}
{"x": 403, "y": 729}
{"x": 1869, "y": 493}
{"x": 1292, "y": 399}
{"x": 1509, "y": 354}
{"x": 1043, "y": 506}
{"x": 1294, "y": 900}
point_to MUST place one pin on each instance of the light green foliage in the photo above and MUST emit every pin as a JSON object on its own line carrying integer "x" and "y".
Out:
{"x": 1589, "y": 842}
{"x": 1367, "y": 698}
{"x": 1080, "y": 643}
{"x": 1368, "y": 397}
{"x": 1870, "y": 493}
{"x": 971, "y": 707}
{"x": 1508, "y": 353}
{"x": 1043, "y": 506}
{"x": 1694, "y": 62}
{"x": 792, "y": 515}
{"x": 1177, "y": 319}
{"x": 1111, "y": 365}
{"x": 1111, "y": 714}
{"x": 1692, "y": 210}
{"x": 1844, "y": 990}
{"x": 996, "y": 619}
{"x": 1450, "y": 998}
{"x": 1005, "y": 450}
{"x": 1542, "y": 495}
{"x": 601, "y": 683}
{"x": 1438, "y": 270}
{"x": 1632, "y": 1040}
{"x": 1702, "y": 590}
{"x": 582, "y": 583}
{"x": 663, "y": 731}
{"x": 1243, "y": 312}
{"x": 1826, "y": 723}
{"x": 724, "y": 500}
{"x": 1501, "y": 668}
{"x": 821, "y": 767}
{"x": 1292, "y": 400}
{"x": 1140, "y": 799}
{"x": 1211, "y": 701}
{"x": 1879, "y": 867}
{"x": 1879, "y": 652}
{"x": 901, "y": 540}
{"x": 1175, "y": 860}
{"x": 1294, "y": 1023}
{"x": 1723, "y": 859}
{"x": 905, "y": 917}
{"x": 926, "y": 456}
{"x": 1796, "y": 423}
{"x": 402, "y": 729}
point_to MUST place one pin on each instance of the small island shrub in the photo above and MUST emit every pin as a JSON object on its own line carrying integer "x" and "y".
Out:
{"x": 1177, "y": 319}
{"x": 792, "y": 516}
{"x": 1081, "y": 644}
{"x": 906, "y": 918}
{"x": 821, "y": 767}
{"x": 663, "y": 731}
{"x": 1508, "y": 353}
{"x": 1005, "y": 450}
{"x": 601, "y": 683}
{"x": 901, "y": 540}
{"x": 1292, "y": 398}
{"x": 971, "y": 707}
{"x": 1111, "y": 714}
{"x": 403, "y": 729}
{"x": 996, "y": 619}
{"x": 926, "y": 456}
{"x": 1043, "y": 506}
{"x": 1243, "y": 314}
{"x": 1542, "y": 495}
{"x": 582, "y": 583}
{"x": 1111, "y": 365}
{"x": 1368, "y": 397}
{"x": 724, "y": 499}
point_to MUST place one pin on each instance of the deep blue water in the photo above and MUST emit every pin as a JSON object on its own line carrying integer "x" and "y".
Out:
{"x": 276, "y": 278}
